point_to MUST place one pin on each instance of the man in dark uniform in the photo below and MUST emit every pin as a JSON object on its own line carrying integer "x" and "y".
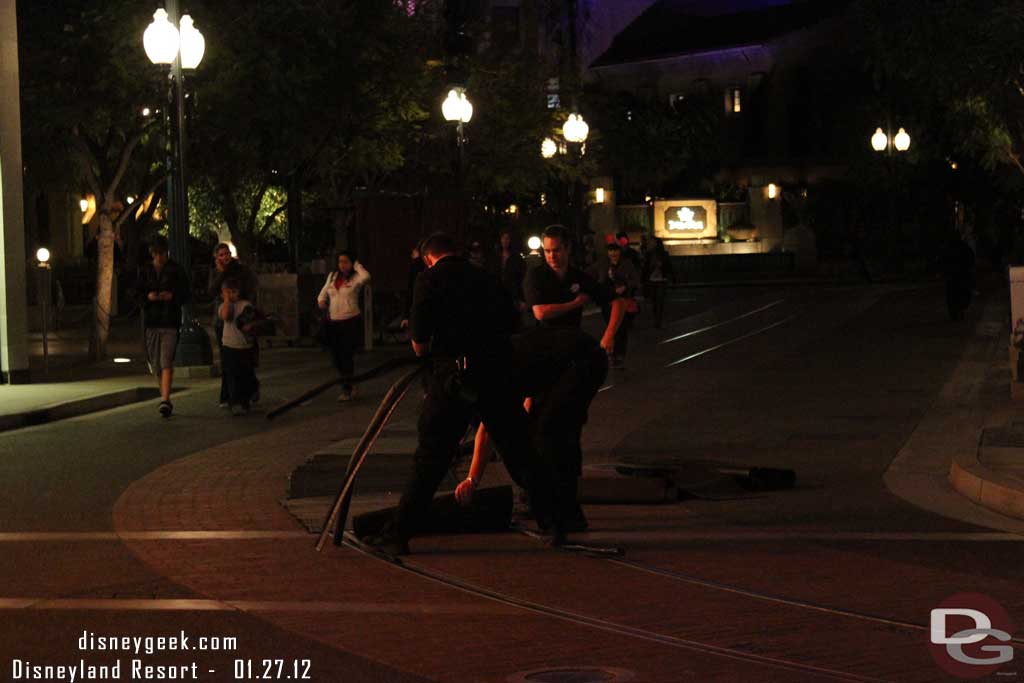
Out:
{"x": 463, "y": 318}
{"x": 562, "y": 367}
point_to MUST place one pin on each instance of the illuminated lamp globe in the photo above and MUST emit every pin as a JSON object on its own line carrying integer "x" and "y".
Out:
{"x": 193, "y": 45}
{"x": 457, "y": 107}
{"x": 161, "y": 39}
{"x": 83, "y": 204}
{"x": 548, "y": 148}
{"x": 533, "y": 243}
{"x": 879, "y": 141}
{"x": 575, "y": 128}
{"x": 902, "y": 141}
{"x": 43, "y": 255}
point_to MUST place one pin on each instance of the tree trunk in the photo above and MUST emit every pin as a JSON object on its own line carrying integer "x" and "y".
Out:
{"x": 104, "y": 284}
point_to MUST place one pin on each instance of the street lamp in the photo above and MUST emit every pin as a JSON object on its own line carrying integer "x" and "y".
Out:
{"x": 575, "y": 129}
{"x": 174, "y": 41}
{"x": 457, "y": 109}
{"x": 881, "y": 141}
{"x": 548, "y": 148}
{"x": 43, "y": 262}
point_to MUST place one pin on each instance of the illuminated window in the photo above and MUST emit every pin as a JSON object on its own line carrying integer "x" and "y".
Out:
{"x": 553, "y": 98}
{"x": 733, "y": 100}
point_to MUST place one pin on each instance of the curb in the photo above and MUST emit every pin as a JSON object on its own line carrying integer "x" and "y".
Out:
{"x": 972, "y": 479}
{"x": 82, "y": 406}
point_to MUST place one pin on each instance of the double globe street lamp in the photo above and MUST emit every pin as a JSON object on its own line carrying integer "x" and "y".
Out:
{"x": 881, "y": 141}
{"x": 574, "y": 131}
{"x": 176, "y": 43}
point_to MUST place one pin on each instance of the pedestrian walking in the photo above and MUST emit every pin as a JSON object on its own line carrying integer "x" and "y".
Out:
{"x": 463, "y": 318}
{"x": 162, "y": 289}
{"x": 620, "y": 279}
{"x": 238, "y": 316}
{"x": 658, "y": 273}
{"x": 339, "y": 299}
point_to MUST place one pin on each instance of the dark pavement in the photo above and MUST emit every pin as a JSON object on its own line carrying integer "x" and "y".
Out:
{"x": 831, "y": 580}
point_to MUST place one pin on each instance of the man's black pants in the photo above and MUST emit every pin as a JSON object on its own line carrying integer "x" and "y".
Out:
{"x": 444, "y": 417}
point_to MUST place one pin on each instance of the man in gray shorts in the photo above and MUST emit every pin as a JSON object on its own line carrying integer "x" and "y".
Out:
{"x": 162, "y": 289}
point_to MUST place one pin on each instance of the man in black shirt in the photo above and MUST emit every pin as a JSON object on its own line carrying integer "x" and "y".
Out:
{"x": 561, "y": 367}
{"x": 462, "y": 317}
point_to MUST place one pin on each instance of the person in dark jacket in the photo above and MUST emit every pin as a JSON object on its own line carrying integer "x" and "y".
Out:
{"x": 510, "y": 267}
{"x": 162, "y": 290}
{"x": 658, "y": 274}
{"x": 959, "y": 271}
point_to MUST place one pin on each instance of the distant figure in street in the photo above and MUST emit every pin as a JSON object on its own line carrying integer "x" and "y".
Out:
{"x": 475, "y": 254}
{"x": 339, "y": 299}
{"x": 657, "y": 274}
{"x": 226, "y": 266}
{"x": 416, "y": 266}
{"x": 510, "y": 268}
{"x": 621, "y": 280}
{"x": 628, "y": 252}
{"x": 959, "y": 271}
{"x": 162, "y": 289}
{"x": 238, "y": 346}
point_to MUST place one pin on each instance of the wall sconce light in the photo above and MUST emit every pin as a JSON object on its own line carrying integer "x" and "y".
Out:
{"x": 773, "y": 190}
{"x": 599, "y": 195}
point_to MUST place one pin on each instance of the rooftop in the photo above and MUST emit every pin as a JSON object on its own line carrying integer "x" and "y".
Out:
{"x": 673, "y": 28}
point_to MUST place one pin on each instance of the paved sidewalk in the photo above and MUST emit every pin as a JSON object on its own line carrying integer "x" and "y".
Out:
{"x": 965, "y": 459}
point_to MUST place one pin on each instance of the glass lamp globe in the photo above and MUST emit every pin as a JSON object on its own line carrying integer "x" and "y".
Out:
{"x": 533, "y": 243}
{"x": 193, "y": 45}
{"x": 43, "y": 255}
{"x": 467, "y": 109}
{"x": 575, "y": 128}
{"x": 456, "y": 107}
{"x": 548, "y": 148}
{"x": 161, "y": 39}
{"x": 879, "y": 141}
{"x": 901, "y": 141}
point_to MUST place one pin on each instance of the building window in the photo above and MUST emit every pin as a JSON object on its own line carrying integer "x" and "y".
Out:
{"x": 553, "y": 98}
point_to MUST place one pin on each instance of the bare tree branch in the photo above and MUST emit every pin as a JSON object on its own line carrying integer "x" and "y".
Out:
{"x": 149, "y": 210}
{"x": 126, "y": 156}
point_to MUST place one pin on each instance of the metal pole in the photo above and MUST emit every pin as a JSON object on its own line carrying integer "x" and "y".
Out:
{"x": 45, "y": 296}
{"x": 461, "y": 141}
{"x": 193, "y": 343}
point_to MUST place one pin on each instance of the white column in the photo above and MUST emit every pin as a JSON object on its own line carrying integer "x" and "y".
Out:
{"x": 13, "y": 303}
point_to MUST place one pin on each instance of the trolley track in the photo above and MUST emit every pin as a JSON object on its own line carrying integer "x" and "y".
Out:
{"x": 477, "y": 590}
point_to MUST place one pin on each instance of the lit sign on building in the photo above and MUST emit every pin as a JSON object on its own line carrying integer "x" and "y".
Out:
{"x": 685, "y": 218}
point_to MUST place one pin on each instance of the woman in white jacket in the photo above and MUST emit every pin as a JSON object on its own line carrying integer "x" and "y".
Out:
{"x": 340, "y": 299}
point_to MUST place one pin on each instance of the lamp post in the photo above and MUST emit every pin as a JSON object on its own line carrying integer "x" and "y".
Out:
{"x": 457, "y": 109}
{"x": 173, "y": 41}
{"x": 882, "y": 141}
{"x": 575, "y": 131}
{"x": 43, "y": 261}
